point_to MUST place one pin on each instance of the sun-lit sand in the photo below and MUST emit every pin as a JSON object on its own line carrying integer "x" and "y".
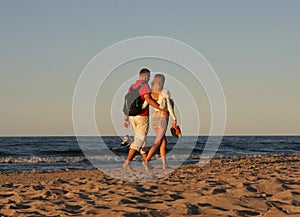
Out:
{"x": 252, "y": 186}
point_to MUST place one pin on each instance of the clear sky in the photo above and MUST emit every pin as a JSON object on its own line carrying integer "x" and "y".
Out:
{"x": 252, "y": 45}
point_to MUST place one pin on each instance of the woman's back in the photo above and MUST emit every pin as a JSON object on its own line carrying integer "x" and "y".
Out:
{"x": 163, "y": 99}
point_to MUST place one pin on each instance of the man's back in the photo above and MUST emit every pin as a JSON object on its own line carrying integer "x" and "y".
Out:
{"x": 144, "y": 89}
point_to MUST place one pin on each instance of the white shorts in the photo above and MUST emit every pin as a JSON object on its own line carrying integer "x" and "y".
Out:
{"x": 140, "y": 125}
{"x": 159, "y": 120}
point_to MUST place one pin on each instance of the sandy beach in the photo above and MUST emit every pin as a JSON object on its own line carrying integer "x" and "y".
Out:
{"x": 251, "y": 186}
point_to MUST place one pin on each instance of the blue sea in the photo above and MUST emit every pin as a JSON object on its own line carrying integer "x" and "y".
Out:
{"x": 19, "y": 154}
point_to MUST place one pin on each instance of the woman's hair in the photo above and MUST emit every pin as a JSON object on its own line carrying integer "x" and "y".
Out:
{"x": 157, "y": 85}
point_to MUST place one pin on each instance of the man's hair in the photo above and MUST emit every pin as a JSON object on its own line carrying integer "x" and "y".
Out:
{"x": 144, "y": 70}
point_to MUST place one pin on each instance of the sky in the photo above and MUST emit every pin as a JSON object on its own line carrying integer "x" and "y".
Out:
{"x": 253, "y": 47}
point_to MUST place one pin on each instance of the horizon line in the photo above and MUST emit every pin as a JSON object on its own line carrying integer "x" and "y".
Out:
{"x": 189, "y": 135}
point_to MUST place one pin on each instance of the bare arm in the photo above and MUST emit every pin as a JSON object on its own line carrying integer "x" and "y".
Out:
{"x": 125, "y": 117}
{"x": 171, "y": 109}
{"x": 126, "y": 121}
{"x": 154, "y": 104}
{"x": 166, "y": 94}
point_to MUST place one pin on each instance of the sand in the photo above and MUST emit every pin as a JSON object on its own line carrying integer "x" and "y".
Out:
{"x": 252, "y": 186}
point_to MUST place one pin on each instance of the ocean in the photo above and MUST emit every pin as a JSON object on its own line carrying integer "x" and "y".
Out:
{"x": 20, "y": 154}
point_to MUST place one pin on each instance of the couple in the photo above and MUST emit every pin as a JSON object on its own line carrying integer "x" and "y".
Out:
{"x": 159, "y": 99}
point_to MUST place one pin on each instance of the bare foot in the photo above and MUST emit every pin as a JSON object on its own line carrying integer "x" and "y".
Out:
{"x": 165, "y": 167}
{"x": 126, "y": 166}
{"x": 145, "y": 164}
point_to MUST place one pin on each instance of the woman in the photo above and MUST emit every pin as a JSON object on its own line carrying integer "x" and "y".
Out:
{"x": 159, "y": 122}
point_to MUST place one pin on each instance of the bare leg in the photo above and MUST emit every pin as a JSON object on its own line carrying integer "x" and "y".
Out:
{"x": 163, "y": 152}
{"x": 160, "y": 132}
{"x": 131, "y": 155}
{"x": 144, "y": 156}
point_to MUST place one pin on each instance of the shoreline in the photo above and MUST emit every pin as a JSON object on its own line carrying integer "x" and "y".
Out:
{"x": 247, "y": 186}
{"x": 192, "y": 160}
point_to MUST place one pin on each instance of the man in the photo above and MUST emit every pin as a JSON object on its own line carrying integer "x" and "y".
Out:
{"x": 140, "y": 122}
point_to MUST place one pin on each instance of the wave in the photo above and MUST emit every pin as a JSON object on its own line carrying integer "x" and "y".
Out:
{"x": 106, "y": 159}
{"x": 37, "y": 160}
{"x": 63, "y": 152}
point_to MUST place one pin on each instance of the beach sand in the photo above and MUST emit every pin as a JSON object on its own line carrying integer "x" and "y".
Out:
{"x": 251, "y": 186}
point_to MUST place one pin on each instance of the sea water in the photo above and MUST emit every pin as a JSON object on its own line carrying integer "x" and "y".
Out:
{"x": 19, "y": 154}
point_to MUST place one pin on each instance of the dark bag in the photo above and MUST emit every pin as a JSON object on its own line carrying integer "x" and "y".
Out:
{"x": 172, "y": 103}
{"x": 133, "y": 102}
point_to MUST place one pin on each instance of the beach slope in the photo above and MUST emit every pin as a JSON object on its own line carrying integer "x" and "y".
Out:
{"x": 250, "y": 186}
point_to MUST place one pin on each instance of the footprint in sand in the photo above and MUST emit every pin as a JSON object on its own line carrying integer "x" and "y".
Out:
{"x": 204, "y": 204}
{"x": 58, "y": 191}
{"x": 159, "y": 213}
{"x": 295, "y": 202}
{"x": 33, "y": 213}
{"x": 247, "y": 213}
{"x": 295, "y": 193}
{"x": 192, "y": 209}
{"x": 126, "y": 201}
{"x": 176, "y": 196}
{"x": 139, "y": 200}
{"x": 2, "y": 196}
{"x": 72, "y": 209}
{"x": 220, "y": 208}
{"x": 101, "y": 207}
{"x": 8, "y": 185}
{"x": 251, "y": 189}
{"x": 19, "y": 206}
{"x": 60, "y": 181}
{"x": 219, "y": 191}
{"x": 38, "y": 187}
{"x": 134, "y": 214}
{"x": 86, "y": 198}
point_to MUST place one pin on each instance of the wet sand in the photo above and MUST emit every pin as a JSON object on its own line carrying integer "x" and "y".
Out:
{"x": 251, "y": 186}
